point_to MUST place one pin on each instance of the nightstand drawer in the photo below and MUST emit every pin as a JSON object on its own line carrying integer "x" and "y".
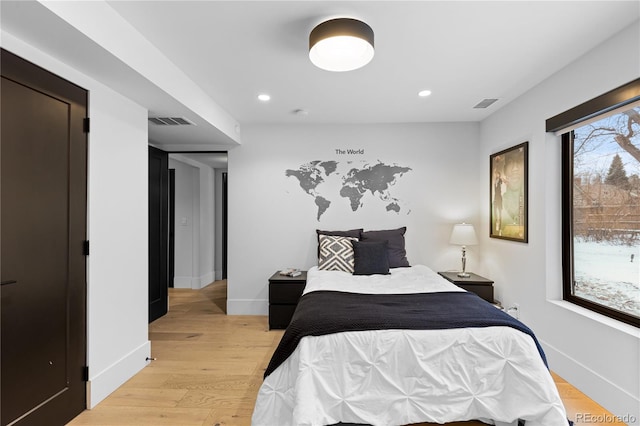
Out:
{"x": 282, "y": 292}
{"x": 474, "y": 283}
{"x": 280, "y": 316}
{"x": 484, "y": 291}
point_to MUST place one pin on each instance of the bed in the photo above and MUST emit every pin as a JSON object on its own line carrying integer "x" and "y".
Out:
{"x": 400, "y": 348}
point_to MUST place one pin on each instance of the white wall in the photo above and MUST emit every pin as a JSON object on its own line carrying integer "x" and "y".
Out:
{"x": 117, "y": 283}
{"x": 194, "y": 223}
{"x": 272, "y": 222}
{"x": 207, "y": 225}
{"x": 187, "y": 201}
{"x": 598, "y": 355}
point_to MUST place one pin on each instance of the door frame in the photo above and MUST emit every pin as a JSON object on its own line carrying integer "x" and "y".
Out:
{"x": 172, "y": 228}
{"x": 158, "y": 234}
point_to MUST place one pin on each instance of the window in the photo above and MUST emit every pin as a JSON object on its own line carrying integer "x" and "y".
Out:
{"x": 601, "y": 203}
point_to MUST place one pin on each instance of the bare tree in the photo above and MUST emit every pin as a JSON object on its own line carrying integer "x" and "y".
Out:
{"x": 623, "y": 130}
{"x": 624, "y": 139}
{"x": 607, "y": 204}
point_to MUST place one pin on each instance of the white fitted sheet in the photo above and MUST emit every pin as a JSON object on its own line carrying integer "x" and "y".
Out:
{"x": 397, "y": 377}
{"x": 414, "y": 279}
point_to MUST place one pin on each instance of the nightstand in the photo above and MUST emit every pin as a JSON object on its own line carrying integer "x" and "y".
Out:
{"x": 481, "y": 286}
{"x": 284, "y": 293}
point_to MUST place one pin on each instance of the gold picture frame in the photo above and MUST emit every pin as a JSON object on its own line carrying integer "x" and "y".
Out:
{"x": 509, "y": 193}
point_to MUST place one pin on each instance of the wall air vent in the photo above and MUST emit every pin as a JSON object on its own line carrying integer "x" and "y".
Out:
{"x": 171, "y": 121}
{"x": 485, "y": 103}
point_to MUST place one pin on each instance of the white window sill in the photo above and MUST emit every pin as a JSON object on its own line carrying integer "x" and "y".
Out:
{"x": 602, "y": 319}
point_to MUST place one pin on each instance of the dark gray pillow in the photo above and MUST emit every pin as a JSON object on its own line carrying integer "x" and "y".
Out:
{"x": 353, "y": 233}
{"x": 395, "y": 248}
{"x": 370, "y": 257}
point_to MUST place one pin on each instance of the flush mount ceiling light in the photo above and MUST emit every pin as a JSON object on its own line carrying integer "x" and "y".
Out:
{"x": 341, "y": 44}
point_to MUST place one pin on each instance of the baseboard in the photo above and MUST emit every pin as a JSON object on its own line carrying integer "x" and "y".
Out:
{"x": 615, "y": 399}
{"x": 194, "y": 283}
{"x": 104, "y": 383}
{"x": 207, "y": 279}
{"x": 183, "y": 282}
{"x": 247, "y": 307}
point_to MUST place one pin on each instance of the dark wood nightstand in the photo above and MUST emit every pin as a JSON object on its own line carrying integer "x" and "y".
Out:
{"x": 481, "y": 286}
{"x": 284, "y": 293}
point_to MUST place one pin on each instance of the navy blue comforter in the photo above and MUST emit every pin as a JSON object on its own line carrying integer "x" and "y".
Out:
{"x": 325, "y": 312}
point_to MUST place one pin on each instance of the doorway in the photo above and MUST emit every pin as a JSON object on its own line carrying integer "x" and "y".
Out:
{"x": 199, "y": 236}
{"x": 158, "y": 233}
{"x": 43, "y": 245}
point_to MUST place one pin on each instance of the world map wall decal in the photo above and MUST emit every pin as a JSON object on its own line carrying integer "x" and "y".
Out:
{"x": 353, "y": 181}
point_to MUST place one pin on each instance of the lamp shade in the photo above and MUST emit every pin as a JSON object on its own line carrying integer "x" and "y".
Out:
{"x": 341, "y": 44}
{"x": 463, "y": 234}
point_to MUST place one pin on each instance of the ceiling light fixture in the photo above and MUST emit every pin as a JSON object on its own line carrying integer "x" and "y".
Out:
{"x": 424, "y": 93}
{"x": 264, "y": 97}
{"x": 341, "y": 44}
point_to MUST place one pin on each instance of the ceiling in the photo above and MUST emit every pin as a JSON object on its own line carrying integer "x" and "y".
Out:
{"x": 227, "y": 52}
{"x": 215, "y": 160}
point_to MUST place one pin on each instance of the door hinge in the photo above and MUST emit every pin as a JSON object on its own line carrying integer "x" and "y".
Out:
{"x": 85, "y": 247}
{"x": 85, "y": 125}
{"x": 85, "y": 373}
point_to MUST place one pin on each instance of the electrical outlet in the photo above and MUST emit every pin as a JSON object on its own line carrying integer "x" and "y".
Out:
{"x": 514, "y": 310}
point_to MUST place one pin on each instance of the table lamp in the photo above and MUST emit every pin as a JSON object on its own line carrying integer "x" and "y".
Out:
{"x": 463, "y": 235}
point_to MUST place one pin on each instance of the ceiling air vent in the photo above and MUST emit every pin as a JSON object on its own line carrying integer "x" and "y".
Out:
{"x": 485, "y": 103}
{"x": 170, "y": 121}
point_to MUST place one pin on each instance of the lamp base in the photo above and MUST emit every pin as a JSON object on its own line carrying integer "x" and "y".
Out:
{"x": 464, "y": 274}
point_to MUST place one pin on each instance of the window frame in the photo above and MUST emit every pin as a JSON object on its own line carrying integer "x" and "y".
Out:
{"x": 617, "y": 98}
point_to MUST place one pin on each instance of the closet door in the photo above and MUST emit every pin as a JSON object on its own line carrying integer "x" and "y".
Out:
{"x": 43, "y": 222}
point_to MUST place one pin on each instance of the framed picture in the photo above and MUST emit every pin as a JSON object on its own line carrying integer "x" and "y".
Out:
{"x": 509, "y": 193}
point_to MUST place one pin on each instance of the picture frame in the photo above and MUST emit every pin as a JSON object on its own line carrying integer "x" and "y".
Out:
{"x": 508, "y": 194}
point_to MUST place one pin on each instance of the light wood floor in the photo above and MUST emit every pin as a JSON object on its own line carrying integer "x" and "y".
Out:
{"x": 209, "y": 367}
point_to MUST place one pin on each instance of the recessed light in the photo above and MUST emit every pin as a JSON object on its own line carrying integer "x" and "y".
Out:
{"x": 424, "y": 93}
{"x": 264, "y": 97}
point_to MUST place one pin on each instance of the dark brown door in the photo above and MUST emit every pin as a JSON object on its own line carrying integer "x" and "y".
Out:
{"x": 158, "y": 232}
{"x": 43, "y": 220}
